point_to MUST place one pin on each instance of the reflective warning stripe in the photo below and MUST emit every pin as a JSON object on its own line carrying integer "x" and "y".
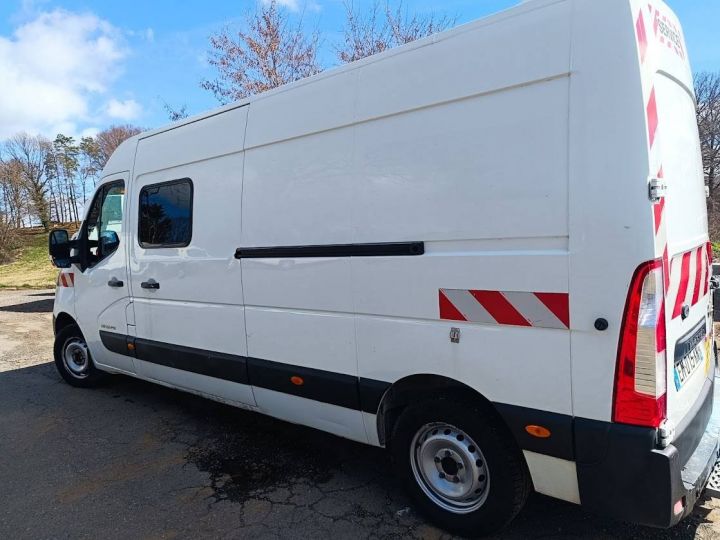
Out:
{"x": 66, "y": 279}
{"x": 511, "y": 308}
{"x": 689, "y": 279}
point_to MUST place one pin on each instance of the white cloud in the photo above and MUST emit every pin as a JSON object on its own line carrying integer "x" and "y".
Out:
{"x": 90, "y": 131}
{"x": 292, "y": 5}
{"x": 123, "y": 110}
{"x": 295, "y": 5}
{"x": 53, "y": 68}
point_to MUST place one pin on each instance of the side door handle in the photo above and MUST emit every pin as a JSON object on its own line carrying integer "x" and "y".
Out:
{"x": 150, "y": 284}
{"x": 115, "y": 282}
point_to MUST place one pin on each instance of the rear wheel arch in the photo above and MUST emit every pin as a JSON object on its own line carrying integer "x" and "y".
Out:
{"x": 426, "y": 387}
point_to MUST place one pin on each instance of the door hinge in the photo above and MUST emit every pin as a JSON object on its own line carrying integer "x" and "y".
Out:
{"x": 656, "y": 189}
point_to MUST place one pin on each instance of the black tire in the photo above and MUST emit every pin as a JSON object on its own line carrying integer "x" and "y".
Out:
{"x": 81, "y": 373}
{"x": 508, "y": 481}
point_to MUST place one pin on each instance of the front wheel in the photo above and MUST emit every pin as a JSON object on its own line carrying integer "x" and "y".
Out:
{"x": 463, "y": 471}
{"x": 73, "y": 360}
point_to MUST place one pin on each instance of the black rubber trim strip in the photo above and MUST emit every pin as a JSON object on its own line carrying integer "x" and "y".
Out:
{"x": 560, "y": 442}
{"x": 213, "y": 364}
{"x": 325, "y": 386}
{"x": 396, "y": 249}
{"x": 116, "y": 343}
{"x": 228, "y": 367}
{"x": 371, "y": 394}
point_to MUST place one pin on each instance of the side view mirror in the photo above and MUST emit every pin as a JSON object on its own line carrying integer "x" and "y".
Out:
{"x": 109, "y": 242}
{"x": 59, "y": 248}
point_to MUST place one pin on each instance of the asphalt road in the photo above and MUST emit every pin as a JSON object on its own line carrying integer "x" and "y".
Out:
{"x": 135, "y": 460}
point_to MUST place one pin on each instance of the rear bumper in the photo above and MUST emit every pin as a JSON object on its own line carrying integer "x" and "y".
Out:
{"x": 622, "y": 474}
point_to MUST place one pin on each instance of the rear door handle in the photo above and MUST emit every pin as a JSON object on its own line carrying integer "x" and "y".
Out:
{"x": 115, "y": 282}
{"x": 150, "y": 284}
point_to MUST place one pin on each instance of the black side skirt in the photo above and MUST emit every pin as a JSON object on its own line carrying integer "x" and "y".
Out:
{"x": 329, "y": 387}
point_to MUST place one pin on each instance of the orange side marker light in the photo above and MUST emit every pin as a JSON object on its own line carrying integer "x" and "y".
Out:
{"x": 297, "y": 381}
{"x": 538, "y": 431}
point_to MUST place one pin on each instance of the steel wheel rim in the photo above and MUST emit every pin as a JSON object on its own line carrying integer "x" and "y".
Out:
{"x": 450, "y": 468}
{"x": 76, "y": 357}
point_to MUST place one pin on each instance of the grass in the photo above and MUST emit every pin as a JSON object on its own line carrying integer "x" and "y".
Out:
{"x": 31, "y": 268}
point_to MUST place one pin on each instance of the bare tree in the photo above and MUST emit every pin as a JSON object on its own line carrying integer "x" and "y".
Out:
{"x": 266, "y": 53}
{"x": 707, "y": 91}
{"x": 99, "y": 149}
{"x": 382, "y": 28}
{"x": 8, "y": 238}
{"x": 11, "y": 203}
{"x": 13, "y": 200}
{"x": 365, "y": 35}
{"x": 30, "y": 153}
{"x": 175, "y": 115}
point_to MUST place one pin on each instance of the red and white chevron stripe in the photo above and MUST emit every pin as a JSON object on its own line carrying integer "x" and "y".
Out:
{"x": 539, "y": 310}
{"x": 689, "y": 279}
{"x": 66, "y": 279}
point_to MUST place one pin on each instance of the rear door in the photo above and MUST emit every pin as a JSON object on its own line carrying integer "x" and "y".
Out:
{"x": 681, "y": 218}
{"x": 687, "y": 265}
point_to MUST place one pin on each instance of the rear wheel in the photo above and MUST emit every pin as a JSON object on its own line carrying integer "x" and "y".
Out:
{"x": 73, "y": 360}
{"x": 463, "y": 471}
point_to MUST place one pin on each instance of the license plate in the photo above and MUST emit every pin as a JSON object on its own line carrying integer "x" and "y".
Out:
{"x": 687, "y": 365}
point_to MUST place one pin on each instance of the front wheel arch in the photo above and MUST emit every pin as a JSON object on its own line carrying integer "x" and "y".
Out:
{"x": 63, "y": 320}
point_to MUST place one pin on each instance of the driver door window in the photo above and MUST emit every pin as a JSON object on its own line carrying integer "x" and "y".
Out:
{"x": 104, "y": 222}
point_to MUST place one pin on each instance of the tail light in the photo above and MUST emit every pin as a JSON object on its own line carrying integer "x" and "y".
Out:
{"x": 640, "y": 378}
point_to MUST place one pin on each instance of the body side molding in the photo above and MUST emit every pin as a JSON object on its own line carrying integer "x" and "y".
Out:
{"x": 394, "y": 249}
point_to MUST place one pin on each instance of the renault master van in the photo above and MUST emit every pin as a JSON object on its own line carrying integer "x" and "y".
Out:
{"x": 486, "y": 251}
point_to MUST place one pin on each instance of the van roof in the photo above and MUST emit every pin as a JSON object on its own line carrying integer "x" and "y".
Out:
{"x": 524, "y": 7}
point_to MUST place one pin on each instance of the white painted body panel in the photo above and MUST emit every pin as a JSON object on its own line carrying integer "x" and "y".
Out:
{"x": 514, "y": 147}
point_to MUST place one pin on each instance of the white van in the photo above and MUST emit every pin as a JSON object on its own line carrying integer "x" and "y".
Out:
{"x": 486, "y": 250}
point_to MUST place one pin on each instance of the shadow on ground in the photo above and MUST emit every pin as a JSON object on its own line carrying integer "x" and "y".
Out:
{"x": 144, "y": 460}
{"x": 36, "y": 306}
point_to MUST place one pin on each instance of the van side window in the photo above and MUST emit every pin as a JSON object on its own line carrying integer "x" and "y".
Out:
{"x": 166, "y": 214}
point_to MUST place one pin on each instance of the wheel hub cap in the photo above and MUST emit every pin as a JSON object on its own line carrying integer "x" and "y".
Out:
{"x": 450, "y": 468}
{"x": 76, "y": 357}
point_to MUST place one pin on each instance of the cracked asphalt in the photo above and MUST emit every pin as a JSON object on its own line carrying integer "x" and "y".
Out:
{"x": 135, "y": 460}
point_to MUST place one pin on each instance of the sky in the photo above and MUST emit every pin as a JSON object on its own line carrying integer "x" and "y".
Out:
{"x": 79, "y": 66}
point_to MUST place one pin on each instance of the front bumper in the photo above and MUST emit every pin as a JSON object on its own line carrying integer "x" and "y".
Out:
{"x": 622, "y": 474}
